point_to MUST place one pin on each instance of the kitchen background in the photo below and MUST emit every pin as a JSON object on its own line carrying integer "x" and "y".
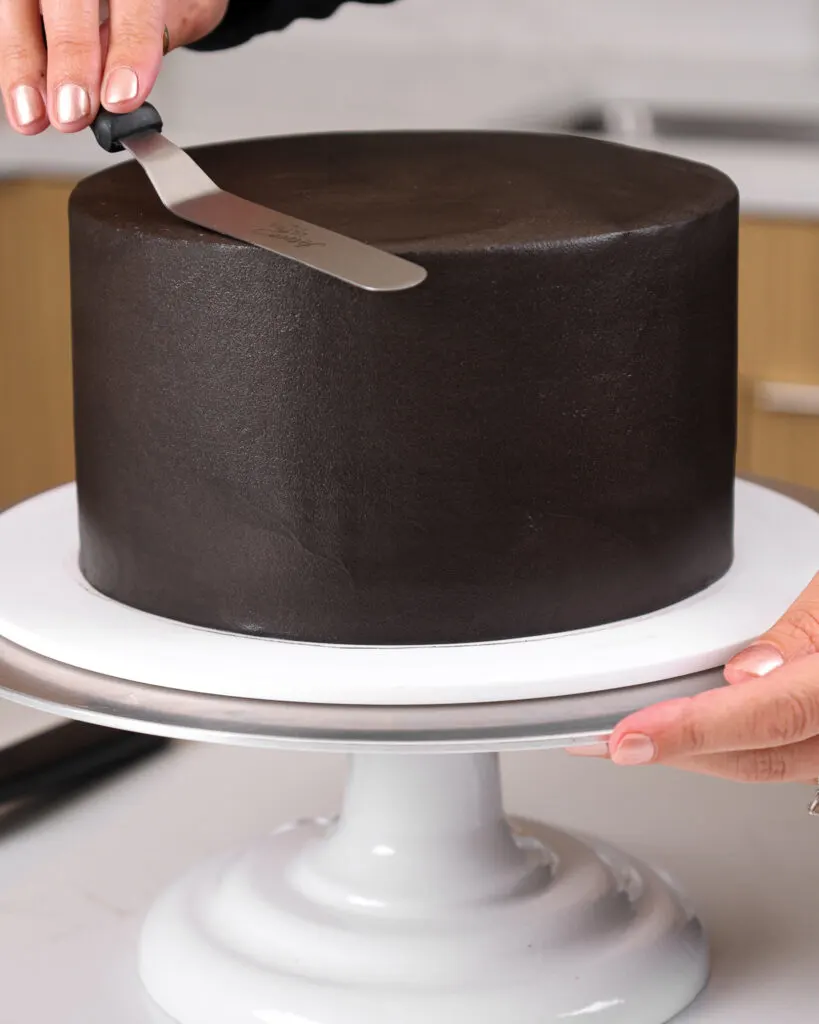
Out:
{"x": 731, "y": 82}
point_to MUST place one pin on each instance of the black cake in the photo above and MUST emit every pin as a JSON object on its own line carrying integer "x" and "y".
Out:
{"x": 538, "y": 438}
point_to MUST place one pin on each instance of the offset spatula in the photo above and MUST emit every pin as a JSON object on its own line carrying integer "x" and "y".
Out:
{"x": 185, "y": 190}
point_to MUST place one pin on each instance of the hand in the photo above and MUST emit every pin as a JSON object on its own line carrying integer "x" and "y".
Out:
{"x": 91, "y": 58}
{"x": 764, "y": 727}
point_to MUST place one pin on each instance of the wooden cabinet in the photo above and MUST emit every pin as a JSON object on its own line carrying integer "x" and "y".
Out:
{"x": 36, "y": 447}
{"x": 779, "y": 343}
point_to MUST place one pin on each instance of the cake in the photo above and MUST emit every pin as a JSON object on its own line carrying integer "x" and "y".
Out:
{"x": 538, "y": 438}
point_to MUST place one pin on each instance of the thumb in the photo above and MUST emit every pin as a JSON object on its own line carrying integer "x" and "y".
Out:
{"x": 794, "y": 635}
{"x": 188, "y": 21}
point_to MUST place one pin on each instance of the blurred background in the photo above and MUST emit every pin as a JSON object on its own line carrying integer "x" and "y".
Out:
{"x": 734, "y": 83}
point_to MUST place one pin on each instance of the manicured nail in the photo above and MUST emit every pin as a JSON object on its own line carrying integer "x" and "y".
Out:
{"x": 590, "y": 750}
{"x": 757, "y": 660}
{"x": 28, "y": 105}
{"x": 633, "y": 749}
{"x": 121, "y": 85}
{"x": 73, "y": 104}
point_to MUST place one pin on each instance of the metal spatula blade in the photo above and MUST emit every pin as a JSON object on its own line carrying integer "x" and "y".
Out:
{"x": 185, "y": 190}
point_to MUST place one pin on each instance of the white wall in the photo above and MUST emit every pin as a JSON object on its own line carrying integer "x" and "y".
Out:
{"x": 770, "y": 30}
{"x": 458, "y": 63}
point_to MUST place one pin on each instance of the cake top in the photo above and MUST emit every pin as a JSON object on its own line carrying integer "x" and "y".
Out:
{"x": 431, "y": 191}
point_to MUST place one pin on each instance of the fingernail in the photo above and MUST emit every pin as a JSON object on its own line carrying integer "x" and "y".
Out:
{"x": 590, "y": 750}
{"x": 757, "y": 660}
{"x": 633, "y": 749}
{"x": 73, "y": 104}
{"x": 28, "y": 105}
{"x": 121, "y": 85}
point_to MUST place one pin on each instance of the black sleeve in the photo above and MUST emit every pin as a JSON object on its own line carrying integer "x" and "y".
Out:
{"x": 248, "y": 18}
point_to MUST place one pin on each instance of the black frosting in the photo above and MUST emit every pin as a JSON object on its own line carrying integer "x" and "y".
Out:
{"x": 538, "y": 438}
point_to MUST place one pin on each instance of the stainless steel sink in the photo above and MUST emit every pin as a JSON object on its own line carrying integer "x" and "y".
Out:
{"x": 643, "y": 121}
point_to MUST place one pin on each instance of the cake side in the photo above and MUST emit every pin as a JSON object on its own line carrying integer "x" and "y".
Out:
{"x": 539, "y": 438}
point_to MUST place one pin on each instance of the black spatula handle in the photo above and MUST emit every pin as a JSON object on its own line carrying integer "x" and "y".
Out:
{"x": 110, "y": 129}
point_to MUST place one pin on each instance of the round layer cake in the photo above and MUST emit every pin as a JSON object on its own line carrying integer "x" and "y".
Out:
{"x": 538, "y": 438}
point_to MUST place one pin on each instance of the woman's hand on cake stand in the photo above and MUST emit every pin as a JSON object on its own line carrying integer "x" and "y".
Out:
{"x": 764, "y": 727}
{"x": 93, "y": 56}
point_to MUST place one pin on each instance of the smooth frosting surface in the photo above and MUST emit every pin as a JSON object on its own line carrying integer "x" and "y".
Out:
{"x": 538, "y": 438}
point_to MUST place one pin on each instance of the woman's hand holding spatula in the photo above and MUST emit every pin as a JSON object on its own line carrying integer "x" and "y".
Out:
{"x": 60, "y": 60}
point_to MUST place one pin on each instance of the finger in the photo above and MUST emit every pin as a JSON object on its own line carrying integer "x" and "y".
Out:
{"x": 794, "y": 635}
{"x": 136, "y": 29}
{"x": 757, "y": 715}
{"x": 23, "y": 66}
{"x": 798, "y": 762}
{"x": 74, "y": 62}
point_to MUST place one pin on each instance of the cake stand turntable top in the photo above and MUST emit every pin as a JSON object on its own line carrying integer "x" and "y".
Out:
{"x": 65, "y": 648}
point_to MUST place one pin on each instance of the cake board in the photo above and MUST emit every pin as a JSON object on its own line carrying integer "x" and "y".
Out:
{"x": 421, "y": 900}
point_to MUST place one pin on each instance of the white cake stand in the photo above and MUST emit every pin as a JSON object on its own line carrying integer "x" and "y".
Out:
{"x": 421, "y": 902}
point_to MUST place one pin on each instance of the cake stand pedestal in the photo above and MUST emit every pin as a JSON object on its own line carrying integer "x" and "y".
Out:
{"x": 421, "y": 902}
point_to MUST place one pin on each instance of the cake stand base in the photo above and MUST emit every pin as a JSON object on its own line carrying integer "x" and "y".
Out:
{"x": 422, "y": 903}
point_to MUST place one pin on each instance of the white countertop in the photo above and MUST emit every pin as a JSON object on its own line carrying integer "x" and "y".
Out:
{"x": 270, "y": 88}
{"x": 74, "y": 885}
